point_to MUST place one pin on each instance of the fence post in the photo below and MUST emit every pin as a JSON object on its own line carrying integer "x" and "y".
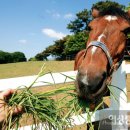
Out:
{"x": 119, "y": 100}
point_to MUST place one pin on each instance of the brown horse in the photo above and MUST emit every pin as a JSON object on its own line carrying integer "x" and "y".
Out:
{"x": 103, "y": 54}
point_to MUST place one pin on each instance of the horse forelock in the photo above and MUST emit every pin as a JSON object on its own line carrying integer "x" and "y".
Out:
{"x": 114, "y": 11}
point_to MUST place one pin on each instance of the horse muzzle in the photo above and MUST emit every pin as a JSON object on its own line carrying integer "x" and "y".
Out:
{"x": 91, "y": 87}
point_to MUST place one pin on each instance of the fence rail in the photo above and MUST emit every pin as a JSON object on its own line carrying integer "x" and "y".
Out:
{"x": 118, "y": 79}
{"x": 47, "y": 79}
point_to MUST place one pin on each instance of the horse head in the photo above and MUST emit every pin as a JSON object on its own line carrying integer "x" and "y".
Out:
{"x": 103, "y": 54}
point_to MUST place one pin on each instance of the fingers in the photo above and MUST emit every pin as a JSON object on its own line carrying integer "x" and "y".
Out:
{"x": 6, "y": 111}
{"x": 4, "y": 96}
{"x": 15, "y": 110}
{"x": 4, "y": 108}
{"x": 7, "y": 93}
{"x": 18, "y": 110}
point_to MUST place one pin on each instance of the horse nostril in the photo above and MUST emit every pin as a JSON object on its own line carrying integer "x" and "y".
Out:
{"x": 104, "y": 75}
{"x": 97, "y": 82}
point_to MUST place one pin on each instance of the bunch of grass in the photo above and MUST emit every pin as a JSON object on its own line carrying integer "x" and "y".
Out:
{"x": 41, "y": 106}
{"x": 54, "y": 114}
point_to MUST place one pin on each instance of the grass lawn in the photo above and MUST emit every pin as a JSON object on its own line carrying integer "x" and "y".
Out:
{"x": 33, "y": 67}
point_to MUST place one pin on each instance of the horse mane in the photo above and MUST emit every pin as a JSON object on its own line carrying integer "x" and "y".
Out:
{"x": 111, "y": 10}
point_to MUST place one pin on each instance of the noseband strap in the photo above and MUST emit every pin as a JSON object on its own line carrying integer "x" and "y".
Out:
{"x": 104, "y": 48}
{"x": 113, "y": 67}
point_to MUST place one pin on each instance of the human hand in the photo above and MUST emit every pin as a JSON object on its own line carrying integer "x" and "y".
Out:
{"x": 4, "y": 108}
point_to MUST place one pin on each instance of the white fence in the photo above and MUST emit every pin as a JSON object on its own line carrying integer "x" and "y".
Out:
{"x": 119, "y": 121}
{"x": 47, "y": 79}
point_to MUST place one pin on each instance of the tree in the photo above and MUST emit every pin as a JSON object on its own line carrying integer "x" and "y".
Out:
{"x": 18, "y": 57}
{"x": 81, "y": 22}
{"x": 2, "y": 57}
{"x": 32, "y": 59}
{"x": 103, "y": 5}
{"x": 75, "y": 43}
{"x": 39, "y": 57}
{"x": 6, "y": 57}
{"x": 58, "y": 48}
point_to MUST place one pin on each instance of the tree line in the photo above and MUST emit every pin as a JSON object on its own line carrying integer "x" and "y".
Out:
{"x": 6, "y": 57}
{"x": 71, "y": 44}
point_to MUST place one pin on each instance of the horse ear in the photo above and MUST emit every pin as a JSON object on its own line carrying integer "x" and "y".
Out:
{"x": 95, "y": 12}
{"x": 125, "y": 25}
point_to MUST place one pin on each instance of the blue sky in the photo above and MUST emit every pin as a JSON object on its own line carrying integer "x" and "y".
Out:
{"x": 30, "y": 26}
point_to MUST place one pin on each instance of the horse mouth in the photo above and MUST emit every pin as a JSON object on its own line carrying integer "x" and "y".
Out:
{"x": 91, "y": 96}
{"x": 100, "y": 92}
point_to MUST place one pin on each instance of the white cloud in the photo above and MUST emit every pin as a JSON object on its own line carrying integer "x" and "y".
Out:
{"x": 68, "y": 16}
{"x": 22, "y": 41}
{"x": 52, "y": 33}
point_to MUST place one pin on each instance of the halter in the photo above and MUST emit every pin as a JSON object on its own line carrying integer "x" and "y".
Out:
{"x": 113, "y": 67}
{"x": 101, "y": 45}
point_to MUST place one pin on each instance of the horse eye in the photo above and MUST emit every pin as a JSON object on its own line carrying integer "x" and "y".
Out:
{"x": 89, "y": 28}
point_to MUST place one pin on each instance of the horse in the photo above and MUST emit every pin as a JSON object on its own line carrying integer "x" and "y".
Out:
{"x": 103, "y": 54}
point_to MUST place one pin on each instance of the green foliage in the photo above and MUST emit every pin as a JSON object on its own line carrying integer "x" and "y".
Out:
{"x": 81, "y": 22}
{"x": 18, "y": 57}
{"x": 39, "y": 57}
{"x": 58, "y": 47}
{"x": 6, "y": 57}
{"x": 75, "y": 43}
{"x": 103, "y": 5}
{"x": 127, "y": 8}
{"x": 32, "y": 59}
